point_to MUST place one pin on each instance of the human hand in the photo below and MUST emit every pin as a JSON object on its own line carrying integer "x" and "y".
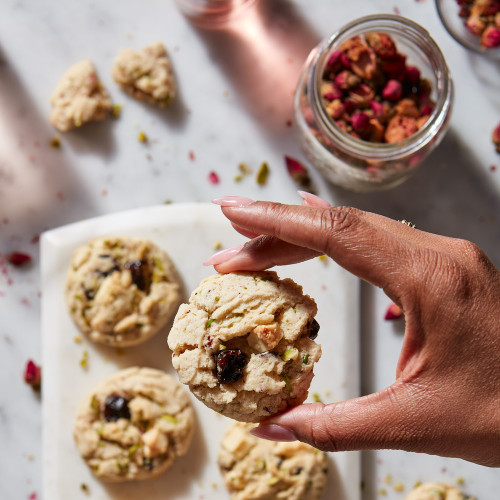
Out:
{"x": 446, "y": 396}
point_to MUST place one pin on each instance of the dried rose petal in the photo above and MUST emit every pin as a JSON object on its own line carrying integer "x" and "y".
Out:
{"x": 393, "y": 312}
{"x": 33, "y": 374}
{"x": 18, "y": 258}
{"x": 350, "y": 105}
{"x": 213, "y": 178}
{"x": 491, "y": 37}
{"x": 394, "y": 68}
{"x": 495, "y": 137}
{"x": 330, "y": 91}
{"x": 393, "y": 90}
{"x": 296, "y": 170}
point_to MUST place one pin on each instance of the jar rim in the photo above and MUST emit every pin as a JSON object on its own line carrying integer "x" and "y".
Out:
{"x": 444, "y": 88}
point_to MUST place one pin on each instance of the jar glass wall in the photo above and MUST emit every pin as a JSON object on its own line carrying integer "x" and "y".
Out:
{"x": 361, "y": 165}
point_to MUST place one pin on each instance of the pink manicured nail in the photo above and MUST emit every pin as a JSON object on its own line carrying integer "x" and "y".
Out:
{"x": 233, "y": 201}
{"x": 273, "y": 432}
{"x": 311, "y": 200}
{"x": 222, "y": 256}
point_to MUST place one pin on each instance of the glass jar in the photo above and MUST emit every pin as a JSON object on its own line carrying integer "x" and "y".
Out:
{"x": 449, "y": 13}
{"x": 356, "y": 164}
{"x": 212, "y": 13}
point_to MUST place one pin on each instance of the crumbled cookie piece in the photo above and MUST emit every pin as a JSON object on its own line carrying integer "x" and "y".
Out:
{"x": 79, "y": 98}
{"x": 244, "y": 344}
{"x": 260, "y": 469}
{"x": 146, "y": 75}
{"x": 134, "y": 425}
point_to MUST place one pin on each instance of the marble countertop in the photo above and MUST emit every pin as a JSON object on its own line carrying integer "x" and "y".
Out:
{"x": 234, "y": 105}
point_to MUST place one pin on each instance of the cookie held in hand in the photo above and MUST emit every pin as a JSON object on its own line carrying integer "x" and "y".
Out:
{"x": 244, "y": 344}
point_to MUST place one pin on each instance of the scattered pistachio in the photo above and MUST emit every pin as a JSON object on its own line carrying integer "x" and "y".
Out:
{"x": 142, "y": 137}
{"x": 84, "y": 488}
{"x": 305, "y": 359}
{"x": 116, "y": 111}
{"x": 84, "y": 362}
{"x": 170, "y": 418}
{"x": 55, "y": 142}
{"x": 274, "y": 480}
{"x": 262, "y": 174}
{"x": 133, "y": 449}
{"x": 399, "y": 487}
{"x": 209, "y": 322}
{"x": 289, "y": 353}
{"x": 317, "y": 397}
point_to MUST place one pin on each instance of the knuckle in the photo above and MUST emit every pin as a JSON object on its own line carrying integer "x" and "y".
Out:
{"x": 338, "y": 220}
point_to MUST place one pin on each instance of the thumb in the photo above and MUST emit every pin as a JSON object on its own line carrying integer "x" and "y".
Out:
{"x": 387, "y": 419}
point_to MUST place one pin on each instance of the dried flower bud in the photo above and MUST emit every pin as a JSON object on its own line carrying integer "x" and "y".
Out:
{"x": 392, "y": 91}
{"x": 495, "y": 137}
{"x": 475, "y": 25}
{"x": 393, "y": 312}
{"x": 362, "y": 94}
{"x": 427, "y": 109}
{"x": 497, "y": 19}
{"x": 33, "y": 374}
{"x": 350, "y": 105}
{"x": 382, "y": 44}
{"x": 399, "y": 128}
{"x": 491, "y": 37}
{"x": 330, "y": 91}
{"x": 337, "y": 60}
{"x": 360, "y": 122}
{"x": 335, "y": 109}
{"x": 376, "y": 131}
{"x": 421, "y": 121}
{"x": 347, "y": 80}
{"x": 394, "y": 68}
{"x": 407, "y": 107}
{"x": 413, "y": 75}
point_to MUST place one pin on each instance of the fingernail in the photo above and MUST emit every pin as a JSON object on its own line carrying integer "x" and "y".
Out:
{"x": 233, "y": 201}
{"x": 311, "y": 200}
{"x": 273, "y": 432}
{"x": 222, "y": 256}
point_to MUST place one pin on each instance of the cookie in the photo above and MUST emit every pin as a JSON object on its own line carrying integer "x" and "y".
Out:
{"x": 260, "y": 469}
{"x": 146, "y": 75}
{"x": 437, "y": 491}
{"x": 134, "y": 424}
{"x": 79, "y": 98}
{"x": 244, "y": 344}
{"x": 120, "y": 291}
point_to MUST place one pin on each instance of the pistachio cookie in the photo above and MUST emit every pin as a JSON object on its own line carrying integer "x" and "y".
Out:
{"x": 134, "y": 424}
{"x": 120, "y": 291}
{"x": 437, "y": 491}
{"x": 244, "y": 344}
{"x": 146, "y": 75}
{"x": 261, "y": 470}
{"x": 79, "y": 98}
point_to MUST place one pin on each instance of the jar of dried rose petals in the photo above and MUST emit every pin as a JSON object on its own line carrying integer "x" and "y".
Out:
{"x": 373, "y": 101}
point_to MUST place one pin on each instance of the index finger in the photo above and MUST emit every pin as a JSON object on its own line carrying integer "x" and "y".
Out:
{"x": 361, "y": 242}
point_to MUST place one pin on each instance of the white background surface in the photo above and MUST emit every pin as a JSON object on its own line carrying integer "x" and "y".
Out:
{"x": 235, "y": 94}
{"x": 187, "y": 233}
